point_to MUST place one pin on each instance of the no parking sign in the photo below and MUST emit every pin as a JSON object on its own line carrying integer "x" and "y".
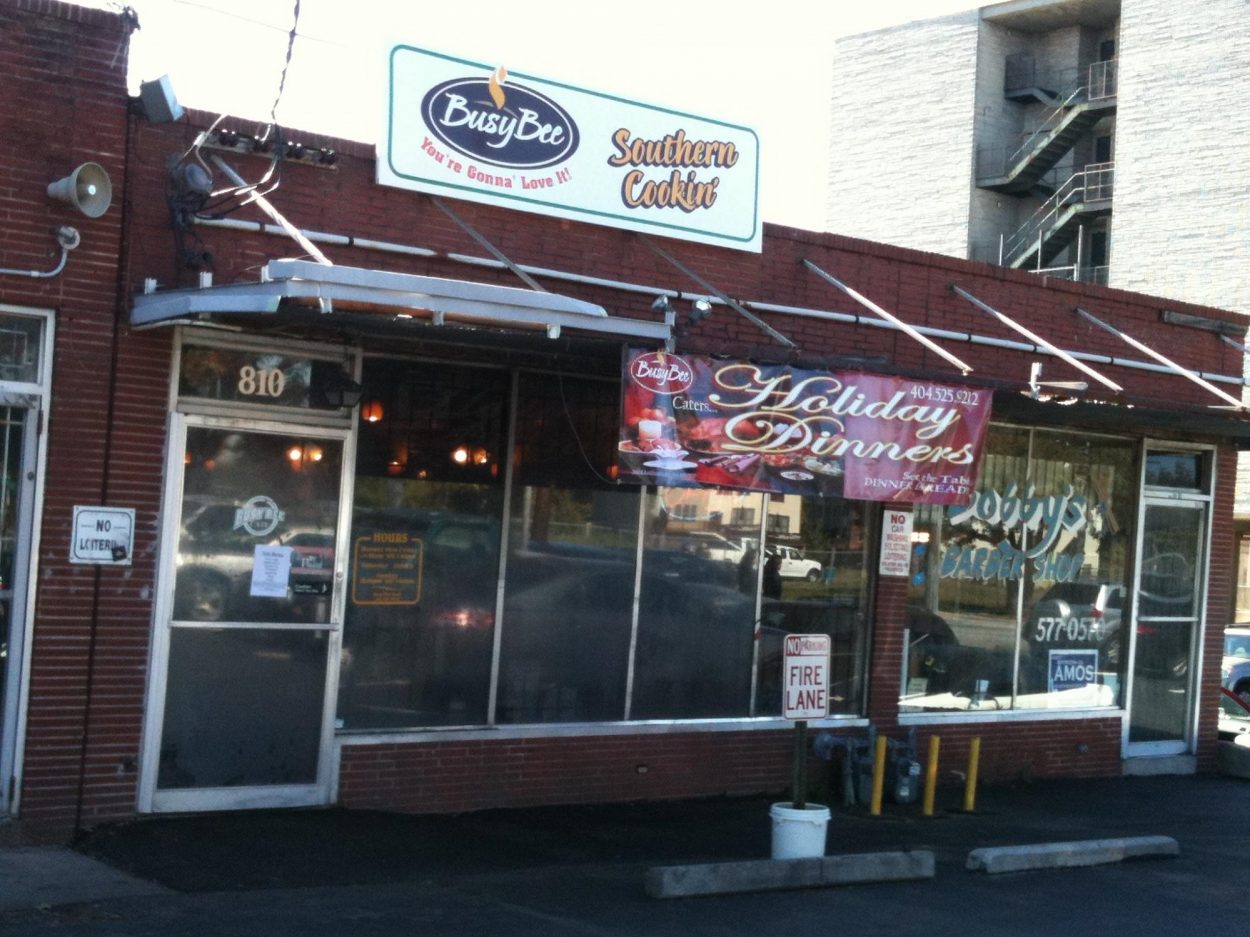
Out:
{"x": 806, "y": 678}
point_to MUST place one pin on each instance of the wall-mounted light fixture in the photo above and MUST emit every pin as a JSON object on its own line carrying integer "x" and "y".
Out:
{"x": 336, "y": 389}
{"x": 700, "y": 311}
{"x": 470, "y": 455}
{"x": 322, "y": 157}
{"x": 160, "y": 106}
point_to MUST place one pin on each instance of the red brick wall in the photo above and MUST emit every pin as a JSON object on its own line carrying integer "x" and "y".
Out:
{"x": 65, "y": 103}
{"x": 445, "y": 777}
{"x": 452, "y": 777}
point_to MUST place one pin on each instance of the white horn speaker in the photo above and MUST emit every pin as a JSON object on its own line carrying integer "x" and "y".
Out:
{"x": 87, "y": 188}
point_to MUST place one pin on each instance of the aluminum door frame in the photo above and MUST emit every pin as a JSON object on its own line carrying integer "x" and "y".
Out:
{"x": 152, "y": 800}
{"x": 1197, "y": 499}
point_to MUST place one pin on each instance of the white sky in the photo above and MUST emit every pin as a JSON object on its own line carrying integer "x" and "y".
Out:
{"x": 765, "y": 65}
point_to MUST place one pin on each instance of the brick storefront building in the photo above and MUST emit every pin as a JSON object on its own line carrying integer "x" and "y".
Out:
{"x": 382, "y": 552}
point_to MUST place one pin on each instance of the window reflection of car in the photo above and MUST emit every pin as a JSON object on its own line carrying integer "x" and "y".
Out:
{"x": 1234, "y": 719}
{"x": 569, "y": 633}
{"x": 215, "y": 560}
{"x": 932, "y": 649}
{"x": 710, "y": 545}
{"x": 214, "y": 564}
{"x": 1235, "y": 666}
{"x": 312, "y": 561}
{"x": 1078, "y": 615}
{"x": 794, "y": 565}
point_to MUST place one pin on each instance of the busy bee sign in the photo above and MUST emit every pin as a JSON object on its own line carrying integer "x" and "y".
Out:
{"x": 483, "y": 132}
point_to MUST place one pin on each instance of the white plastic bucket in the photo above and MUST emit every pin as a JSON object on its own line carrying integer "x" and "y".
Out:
{"x": 799, "y": 834}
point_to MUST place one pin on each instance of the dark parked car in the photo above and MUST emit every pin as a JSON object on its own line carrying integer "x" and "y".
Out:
{"x": 1078, "y": 615}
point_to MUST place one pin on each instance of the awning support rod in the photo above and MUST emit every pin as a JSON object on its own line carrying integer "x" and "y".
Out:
{"x": 889, "y": 317}
{"x": 481, "y": 240}
{"x": 1162, "y": 359}
{"x": 1238, "y": 345}
{"x": 1037, "y": 339}
{"x": 731, "y": 303}
{"x": 267, "y": 207}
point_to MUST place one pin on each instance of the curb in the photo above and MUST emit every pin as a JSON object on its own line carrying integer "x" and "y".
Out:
{"x": 998, "y": 859}
{"x": 722, "y": 878}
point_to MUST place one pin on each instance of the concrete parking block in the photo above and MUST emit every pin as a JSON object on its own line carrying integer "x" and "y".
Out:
{"x": 1062, "y": 855}
{"x": 722, "y": 878}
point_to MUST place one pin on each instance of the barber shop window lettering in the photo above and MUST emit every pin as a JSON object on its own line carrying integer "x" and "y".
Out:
{"x": 1023, "y": 528}
{"x": 1018, "y": 598}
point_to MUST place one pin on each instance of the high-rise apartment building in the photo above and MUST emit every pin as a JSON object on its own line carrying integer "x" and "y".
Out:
{"x": 1099, "y": 140}
{"x": 1104, "y": 140}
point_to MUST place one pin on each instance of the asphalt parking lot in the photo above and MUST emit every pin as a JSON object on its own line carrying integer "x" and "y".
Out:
{"x": 580, "y": 870}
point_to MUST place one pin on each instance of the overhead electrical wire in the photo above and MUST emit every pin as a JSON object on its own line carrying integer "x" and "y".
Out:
{"x": 223, "y": 202}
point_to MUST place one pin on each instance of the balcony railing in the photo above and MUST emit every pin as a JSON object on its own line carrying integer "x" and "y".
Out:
{"x": 1098, "y": 275}
{"x": 1022, "y": 74}
{"x": 1094, "y": 183}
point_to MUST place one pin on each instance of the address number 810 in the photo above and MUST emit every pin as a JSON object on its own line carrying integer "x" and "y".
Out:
{"x": 261, "y": 382}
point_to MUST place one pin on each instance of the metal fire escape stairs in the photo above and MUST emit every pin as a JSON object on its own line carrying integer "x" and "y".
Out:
{"x": 1084, "y": 195}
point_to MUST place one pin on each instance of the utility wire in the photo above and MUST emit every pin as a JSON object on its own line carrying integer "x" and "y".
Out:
{"x": 290, "y": 48}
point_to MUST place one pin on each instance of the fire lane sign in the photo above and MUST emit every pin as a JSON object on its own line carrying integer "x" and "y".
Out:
{"x": 103, "y": 536}
{"x": 806, "y": 677}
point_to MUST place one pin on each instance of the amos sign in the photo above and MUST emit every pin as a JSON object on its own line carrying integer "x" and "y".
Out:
{"x": 479, "y": 132}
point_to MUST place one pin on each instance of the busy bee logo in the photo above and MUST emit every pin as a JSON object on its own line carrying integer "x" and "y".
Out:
{"x": 662, "y": 372}
{"x": 506, "y": 125}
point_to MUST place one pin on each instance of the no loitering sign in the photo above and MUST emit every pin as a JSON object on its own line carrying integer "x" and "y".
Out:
{"x": 806, "y": 676}
{"x": 103, "y": 536}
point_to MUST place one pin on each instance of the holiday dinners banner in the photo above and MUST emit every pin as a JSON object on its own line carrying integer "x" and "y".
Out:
{"x": 697, "y": 421}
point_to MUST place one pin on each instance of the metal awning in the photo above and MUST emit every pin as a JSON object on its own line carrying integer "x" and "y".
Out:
{"x": 908, "y": 330}
{"x": 322, "y": 288}
{"x": 1037, "y": 339}
{"x": 1229, "y": 399}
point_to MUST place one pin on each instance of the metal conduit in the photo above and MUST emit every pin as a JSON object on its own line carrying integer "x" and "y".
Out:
{"x": 846, "y": 318}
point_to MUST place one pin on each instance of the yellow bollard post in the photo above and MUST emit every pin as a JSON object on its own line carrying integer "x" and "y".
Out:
{"x": 878, "y": 776}
{"x": 930, "y": 776}
{"x": 970, "y": 786}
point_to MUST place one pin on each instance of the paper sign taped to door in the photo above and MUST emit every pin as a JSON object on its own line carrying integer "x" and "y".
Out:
{"x": 271, "y": 572}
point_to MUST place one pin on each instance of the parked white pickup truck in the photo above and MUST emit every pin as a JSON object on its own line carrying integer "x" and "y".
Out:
{"x": 794, "y": 566}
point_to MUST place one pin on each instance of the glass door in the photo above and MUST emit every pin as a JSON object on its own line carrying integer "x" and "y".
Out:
{"x": 1168, "y": 617}
{"x": 245, "y": 663}
{"x": 18, "y": 458}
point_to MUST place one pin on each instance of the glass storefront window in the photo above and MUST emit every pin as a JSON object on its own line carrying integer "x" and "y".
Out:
{"x": 1017, "y": 598}
{"x": 418, "y": 633}
{"x": 612, "y": 602}
{"x": 572, "y": 551}
{"x": 20, "y": 346}
{"x": 815, "y": 581}
{"x": 696, "y": 616}
{"x": 1076, "y": 587}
